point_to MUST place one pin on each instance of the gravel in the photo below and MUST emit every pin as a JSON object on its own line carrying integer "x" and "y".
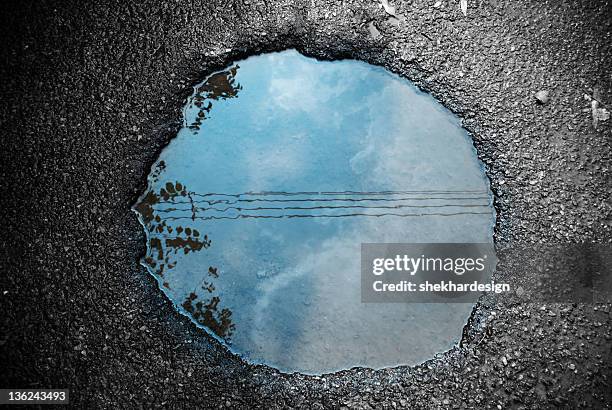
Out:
{"x": 92, "y": 91}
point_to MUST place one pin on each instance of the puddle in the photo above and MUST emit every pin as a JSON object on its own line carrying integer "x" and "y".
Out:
{"x": 256, "y": 211}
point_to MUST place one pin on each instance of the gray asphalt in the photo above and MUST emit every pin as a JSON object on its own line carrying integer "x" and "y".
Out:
{"x": 92, "y": 91}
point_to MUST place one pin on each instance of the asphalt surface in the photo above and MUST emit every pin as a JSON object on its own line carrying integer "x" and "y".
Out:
{"x": 91, "y": 91}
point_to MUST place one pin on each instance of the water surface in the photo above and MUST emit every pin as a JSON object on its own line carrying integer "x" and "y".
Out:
{"x": 256, "y": 211}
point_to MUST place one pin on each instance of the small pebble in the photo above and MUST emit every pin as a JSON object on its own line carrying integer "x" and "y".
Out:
{"x": 542, "y": 96}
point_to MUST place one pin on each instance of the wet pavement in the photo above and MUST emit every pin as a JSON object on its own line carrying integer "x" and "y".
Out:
{"x": 255, "y": 213}
{"x": 92, "y": 93}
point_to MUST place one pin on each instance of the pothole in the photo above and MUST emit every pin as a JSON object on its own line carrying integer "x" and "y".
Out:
{"x": 255, "y": 213}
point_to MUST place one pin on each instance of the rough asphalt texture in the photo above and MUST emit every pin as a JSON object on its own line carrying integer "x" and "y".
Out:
{"x": 91, "y": 91}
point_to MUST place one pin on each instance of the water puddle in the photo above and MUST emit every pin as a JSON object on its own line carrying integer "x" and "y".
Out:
{"x": 256, "y": 211}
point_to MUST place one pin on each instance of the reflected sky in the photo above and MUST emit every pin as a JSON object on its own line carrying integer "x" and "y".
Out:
{"x": 256, "y": 212}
